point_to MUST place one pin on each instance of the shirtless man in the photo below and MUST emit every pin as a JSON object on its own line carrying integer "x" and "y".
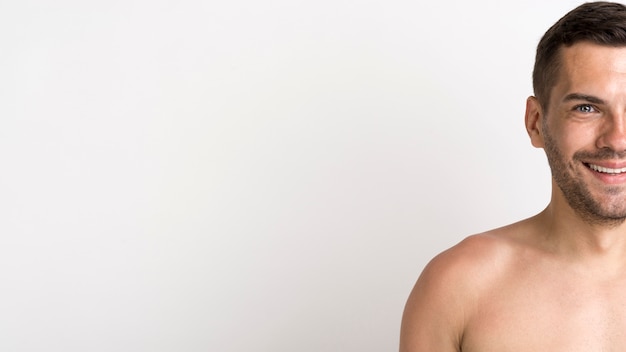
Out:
{"x": 556, "y": 281}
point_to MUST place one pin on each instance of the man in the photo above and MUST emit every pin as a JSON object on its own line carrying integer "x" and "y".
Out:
{"x": 556, "y": 281}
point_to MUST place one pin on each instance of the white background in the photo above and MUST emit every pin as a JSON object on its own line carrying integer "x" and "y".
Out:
{"x": 251, "y": 175}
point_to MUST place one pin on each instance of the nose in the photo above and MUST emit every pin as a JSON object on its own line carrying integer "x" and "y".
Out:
{"x": 613, "y": 135}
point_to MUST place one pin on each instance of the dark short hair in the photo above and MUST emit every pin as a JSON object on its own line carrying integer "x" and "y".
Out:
{"x": 600, "y": 22}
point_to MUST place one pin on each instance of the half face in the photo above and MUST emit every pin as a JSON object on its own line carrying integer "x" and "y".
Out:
{"x": 584, "y": 131}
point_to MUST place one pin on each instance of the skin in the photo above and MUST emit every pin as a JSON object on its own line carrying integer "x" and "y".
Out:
{"x": 555, "y": 281}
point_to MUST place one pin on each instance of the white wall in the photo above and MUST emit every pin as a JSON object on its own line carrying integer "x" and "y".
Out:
{"x": 251, "y": 175}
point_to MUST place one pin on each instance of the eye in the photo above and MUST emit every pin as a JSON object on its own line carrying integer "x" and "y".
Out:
{"x": 585, "y": 108}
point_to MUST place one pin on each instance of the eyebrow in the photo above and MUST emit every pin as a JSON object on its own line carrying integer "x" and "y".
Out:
{"x": 585, "y": 97}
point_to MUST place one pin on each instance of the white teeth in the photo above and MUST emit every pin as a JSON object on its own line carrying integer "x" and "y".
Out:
{"x": 606, "y": 170}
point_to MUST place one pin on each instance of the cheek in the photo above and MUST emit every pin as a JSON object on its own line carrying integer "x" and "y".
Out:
{"x": 579, "y": 139}
{"x": 560, "y": 151}
{"x": 572, "y": 136}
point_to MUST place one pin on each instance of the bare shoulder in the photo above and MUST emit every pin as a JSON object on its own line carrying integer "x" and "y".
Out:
{"x": 479, "y": 258}
{"x": 473, "y": 262}
{"x": 443, "y": 299}
{"x": 463, "y": 270}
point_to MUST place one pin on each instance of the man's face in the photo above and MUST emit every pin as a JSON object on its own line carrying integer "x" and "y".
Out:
{"x": 584, "y": 131}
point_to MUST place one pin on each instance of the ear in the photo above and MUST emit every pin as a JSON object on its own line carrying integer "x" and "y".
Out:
{"x": 534, "y": 119}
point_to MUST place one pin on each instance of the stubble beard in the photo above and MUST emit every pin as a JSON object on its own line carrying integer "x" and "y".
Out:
{"x": 576, "y": 192}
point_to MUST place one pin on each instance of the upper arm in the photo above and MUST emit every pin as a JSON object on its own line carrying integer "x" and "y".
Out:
{"x": 439, "y": 306}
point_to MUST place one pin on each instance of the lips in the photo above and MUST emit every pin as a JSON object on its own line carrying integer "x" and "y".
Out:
{"x": 606, "y": 170}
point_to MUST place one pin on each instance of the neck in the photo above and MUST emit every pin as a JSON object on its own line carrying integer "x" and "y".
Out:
{"x": 568, "y": 232}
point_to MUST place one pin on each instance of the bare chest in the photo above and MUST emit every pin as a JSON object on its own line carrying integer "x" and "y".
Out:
{"x": 548, "y": 313}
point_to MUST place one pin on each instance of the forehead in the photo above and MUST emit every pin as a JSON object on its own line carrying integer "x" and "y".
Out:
{"x": 590, "y": 69}
{"x": 588, "y": 63}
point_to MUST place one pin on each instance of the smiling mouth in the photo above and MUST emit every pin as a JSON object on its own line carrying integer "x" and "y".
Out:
{"x": 606, "y": 170}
